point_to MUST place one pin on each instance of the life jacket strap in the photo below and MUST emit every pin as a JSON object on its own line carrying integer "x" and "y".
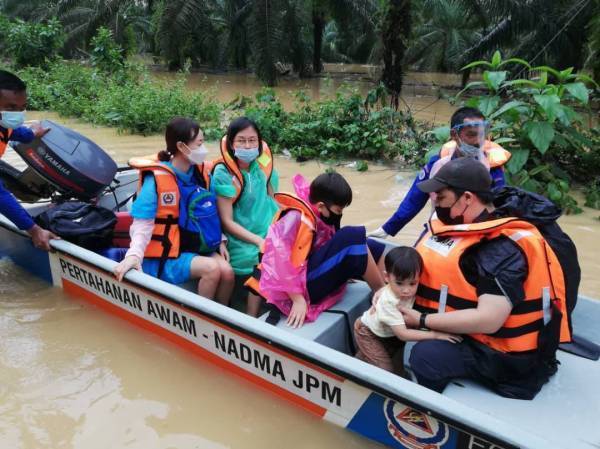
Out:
{"x": 166, "y": 244}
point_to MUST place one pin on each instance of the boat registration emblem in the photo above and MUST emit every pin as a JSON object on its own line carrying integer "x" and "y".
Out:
{"x": 414, "y": 429}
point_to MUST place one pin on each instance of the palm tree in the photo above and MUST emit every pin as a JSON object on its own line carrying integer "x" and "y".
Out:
{"x": 333, "y": 45}
{"x": 541, "y": 31}
{"x": 266, "y": 36}
{"x": 297, "y": 34}
{"x": 29, "y": 10}
{"x": 81, "y": 18}
{"x": 395, "y": 32}
{"x": 442, "y": 38}
{"x": 231, "y": 16}
{"x": 348, "y": 14}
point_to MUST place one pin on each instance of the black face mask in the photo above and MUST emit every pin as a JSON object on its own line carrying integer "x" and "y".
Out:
{"x": 333, "y": 219}
{"x": 443, "y": 214}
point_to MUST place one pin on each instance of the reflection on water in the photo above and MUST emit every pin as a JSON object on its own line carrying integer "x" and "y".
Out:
{"x": 72, "y": 376}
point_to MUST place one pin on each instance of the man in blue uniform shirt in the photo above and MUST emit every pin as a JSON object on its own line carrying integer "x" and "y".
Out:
{"x": 462, "y": 126}
{"x": 13, "y": 100}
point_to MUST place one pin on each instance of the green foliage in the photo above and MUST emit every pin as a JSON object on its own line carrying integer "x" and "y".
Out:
{"x": 362, "y": 166}
{"x": 131, "y": 103}
{"x": 442, "y": 35}
{"x": 145, "y": 107}
{"x": 105, "y": 54}
{"x": 343, "y": 127}
{"x": 540, "y": 122}
{"x": 592, "y": 195}
{"x": 338, "y": 128}
{"x": 30, "y": 43}
{"x": 539, "y": 30}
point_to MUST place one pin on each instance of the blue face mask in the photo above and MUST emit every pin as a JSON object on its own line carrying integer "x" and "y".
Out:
{"x": 12, "y": 119}
{"x": 246, "y": 155}
{"x": 469, "y": 150}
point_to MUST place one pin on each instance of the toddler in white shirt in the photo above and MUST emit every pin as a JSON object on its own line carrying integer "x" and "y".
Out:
{"x": 381, "y": 332}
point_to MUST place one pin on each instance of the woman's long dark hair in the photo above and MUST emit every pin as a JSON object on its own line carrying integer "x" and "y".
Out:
{"x": 237, "y": 125}
{"x": 179, "y": 129}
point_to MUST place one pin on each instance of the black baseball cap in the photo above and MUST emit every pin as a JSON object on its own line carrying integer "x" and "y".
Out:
{"x": 464, "y": 173}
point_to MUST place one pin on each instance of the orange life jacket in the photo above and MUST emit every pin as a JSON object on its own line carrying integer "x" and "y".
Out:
{"x": 443, "y": 287}
{"x": 304, "y": 238}
{"x": 497, "y": 156}
{"x": 4, "y": 138}
{"x": 165, "y": 242}
{"x": 265, "y": 162}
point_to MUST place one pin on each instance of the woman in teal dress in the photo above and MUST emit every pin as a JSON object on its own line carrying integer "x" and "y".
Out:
{"x": 245, "y": 184}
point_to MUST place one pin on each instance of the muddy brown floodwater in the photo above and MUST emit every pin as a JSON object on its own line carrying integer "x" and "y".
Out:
{"x": 72, "y": 376}
{"x": 418, "y": 94}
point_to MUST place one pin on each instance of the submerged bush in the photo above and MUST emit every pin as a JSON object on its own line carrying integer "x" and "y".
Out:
{"x": 106, "y": 55}
{"x": 30, "y": 43}
{"x": 129, "y": 101}
{"x": 342, "y": 127}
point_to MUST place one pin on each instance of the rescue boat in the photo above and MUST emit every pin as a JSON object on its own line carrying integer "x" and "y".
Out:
{"x": 313, "y": 367}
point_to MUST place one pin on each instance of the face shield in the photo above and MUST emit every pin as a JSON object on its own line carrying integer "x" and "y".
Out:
{"x": 471, "y": 138}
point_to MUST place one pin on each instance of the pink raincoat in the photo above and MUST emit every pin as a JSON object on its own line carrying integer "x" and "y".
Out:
{"x": 278, "y": 275}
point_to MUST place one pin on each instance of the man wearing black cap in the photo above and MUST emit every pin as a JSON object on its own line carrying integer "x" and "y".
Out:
{"x": 492, "y": 278}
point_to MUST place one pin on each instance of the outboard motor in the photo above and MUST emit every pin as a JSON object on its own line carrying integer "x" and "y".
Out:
{"x": 62, "y": 161}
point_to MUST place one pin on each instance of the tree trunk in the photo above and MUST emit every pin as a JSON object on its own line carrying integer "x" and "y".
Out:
{"x": 395, "y": 31}
{"x": 466, "y": 74}
{"x": 318, "y": 19}
{"x": 266, "y": 37}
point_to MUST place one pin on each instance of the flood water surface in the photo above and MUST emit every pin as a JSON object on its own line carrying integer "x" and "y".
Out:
{"x": 72, "y": 376}
{"x": 418, "y": 94}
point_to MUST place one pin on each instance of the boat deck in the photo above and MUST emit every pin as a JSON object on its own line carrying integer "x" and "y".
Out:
{"x": 334, "y": 327}
{"x": 567, "y": 410}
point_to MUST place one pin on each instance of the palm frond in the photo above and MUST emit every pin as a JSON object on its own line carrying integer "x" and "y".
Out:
{"x": 295, "y": 16}
{"x": 177, "y": 23}
{"x": 266, "y": 37}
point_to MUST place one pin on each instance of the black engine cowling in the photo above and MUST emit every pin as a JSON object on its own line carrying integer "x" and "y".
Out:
{"x": 64, "y": 161}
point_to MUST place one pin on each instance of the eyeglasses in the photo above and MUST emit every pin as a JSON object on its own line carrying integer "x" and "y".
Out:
{"x": 246, "y": 142}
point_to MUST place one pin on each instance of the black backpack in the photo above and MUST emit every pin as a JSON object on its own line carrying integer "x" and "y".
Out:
{"x": 81, "y": 223}
{"x": 542, "y": 213}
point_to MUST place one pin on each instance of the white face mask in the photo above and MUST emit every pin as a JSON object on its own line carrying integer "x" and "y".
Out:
{"x": 197, "y": 155}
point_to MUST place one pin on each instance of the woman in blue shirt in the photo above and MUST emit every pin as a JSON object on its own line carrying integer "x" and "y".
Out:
{"x": 191, "y": 254}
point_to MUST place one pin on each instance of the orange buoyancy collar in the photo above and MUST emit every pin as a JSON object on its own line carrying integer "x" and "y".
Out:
{"x": 265, "y": 162}
{"x": 497, "y": 156}
{"x": 4, "y": 138}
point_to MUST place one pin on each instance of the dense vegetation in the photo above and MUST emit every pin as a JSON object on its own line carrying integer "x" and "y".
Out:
{"x": 542, "y": 121}
{"x": 261, "y": 35}
{"x": 76, "y": 59}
